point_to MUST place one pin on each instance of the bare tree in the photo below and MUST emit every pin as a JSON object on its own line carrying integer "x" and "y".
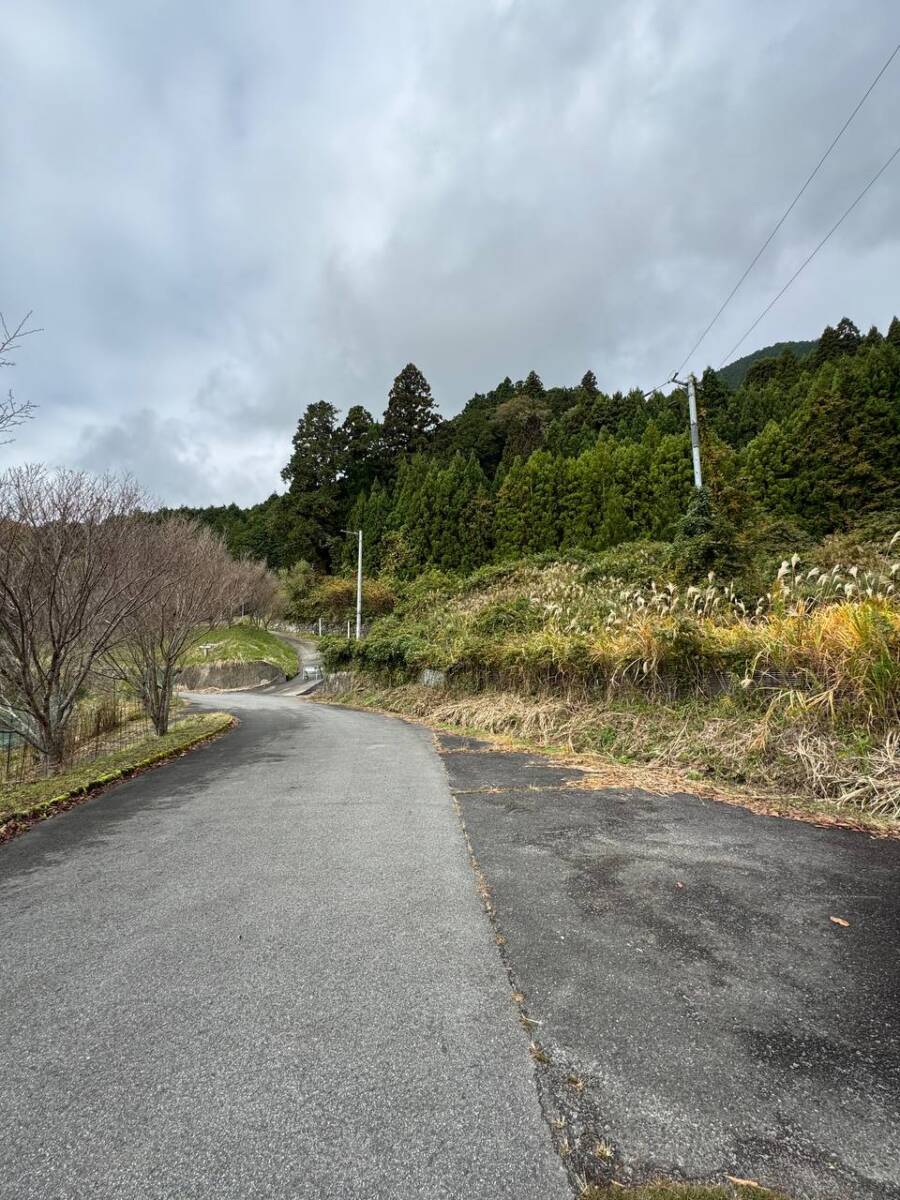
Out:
{"x": 198, "y": 588}
{"x": 71, "y": 577}
{"x": 258, "y": 592}
{"x": 12, "y": 413}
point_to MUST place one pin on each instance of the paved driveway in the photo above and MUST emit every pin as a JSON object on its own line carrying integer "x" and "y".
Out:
{"x": 262, "y": 971}
{"x": 682, "y": 959}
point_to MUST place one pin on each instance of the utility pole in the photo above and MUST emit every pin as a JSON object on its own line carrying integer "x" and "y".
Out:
{"x": 691, "y": 384}
{"x": 695, "y": 431}
{"x": 359, "y": 587}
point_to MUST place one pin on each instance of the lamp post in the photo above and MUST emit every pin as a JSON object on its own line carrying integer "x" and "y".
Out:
{"x": 359, "y": 551}
{"x": 359, "y": 587}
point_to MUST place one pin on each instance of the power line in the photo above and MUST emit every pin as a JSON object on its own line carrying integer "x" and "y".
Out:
{"x": 810, "y": 256}
{"x": 787, "y": 212}
{"x": 659, "y": 387}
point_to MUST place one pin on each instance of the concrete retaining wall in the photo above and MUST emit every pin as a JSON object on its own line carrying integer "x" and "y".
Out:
{"x": 229, "y": 676}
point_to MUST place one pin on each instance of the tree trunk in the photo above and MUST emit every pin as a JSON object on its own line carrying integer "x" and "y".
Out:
{"x": 163, "y": 702}
{"x": 53, "y": 746}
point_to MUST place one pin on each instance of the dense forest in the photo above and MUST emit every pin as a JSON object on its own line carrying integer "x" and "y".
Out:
{"x": 802, "y": 447}
{"x": 734, "y": 374}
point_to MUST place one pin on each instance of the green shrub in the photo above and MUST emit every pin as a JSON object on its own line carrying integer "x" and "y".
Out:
{"x": 333, "y": 597}
{"x": 632, "y": 562}
{"x": 508, "y": 616}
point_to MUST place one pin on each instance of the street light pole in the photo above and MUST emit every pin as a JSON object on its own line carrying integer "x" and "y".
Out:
{"x": 358, "y": 533}
{"x": 359, "y": 587}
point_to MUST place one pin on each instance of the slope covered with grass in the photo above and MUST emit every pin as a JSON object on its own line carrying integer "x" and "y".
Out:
{"x": 242, "y": 643}
{"x": 794, "y": 692}
{"x": 22, "y": 803}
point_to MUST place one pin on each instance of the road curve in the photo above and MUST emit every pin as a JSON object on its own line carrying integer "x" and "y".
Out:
{"x": 262, "y": 971}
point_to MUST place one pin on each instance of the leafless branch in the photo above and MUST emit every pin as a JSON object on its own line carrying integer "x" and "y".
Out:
{"x": 12, "y": 413}
{"x": 71, "y": 577}
{"x": 198, "y": 588}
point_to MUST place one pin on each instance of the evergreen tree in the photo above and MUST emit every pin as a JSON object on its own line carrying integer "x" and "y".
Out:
{"x": 836, "y": 342}
{"x": 411, "y": 416}
{"x": 544, "y": 474}
{"x": 614, "y": 526}
{"x": 634, "y": 416}
{"x": 522, "y": 422}
{"x": 533, "y": 385}
{"x": 370, "y": 513}
{"x": 704, "y": 541}
{"x": 513, "y": 512}
{"x": 631, "y": 473}
{"x": 589, "y": 383}
{"x": 316, "y": 457}
{"x": 766, "y": 467}
{"x": 358, "y": 438}
{"x": 671, "y": 482}
{"x": 810, "y": 444}
{"x": 474, "y": 431}
{"x": 460, "y": 529}
{"x": 714, "y": 401}
{"x": 848, "y": 336}
{"x": 316, "y": 502}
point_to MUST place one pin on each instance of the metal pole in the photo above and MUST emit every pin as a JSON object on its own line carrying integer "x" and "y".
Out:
{"x": 348, "y": 631}
{"x": 359, "y": 589}
{"x": 695, "y": 432}
{"x": 320, "y": 626}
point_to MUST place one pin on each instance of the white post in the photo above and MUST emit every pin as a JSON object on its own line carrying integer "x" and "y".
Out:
{"x": 348, "y": 631}
{"x": 359, "y": 589}
{"x": 695, "y": 431}
{"x": 320, "y": 626}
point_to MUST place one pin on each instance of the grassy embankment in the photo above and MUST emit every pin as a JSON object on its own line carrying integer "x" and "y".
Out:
{"x": 791, "y": 698}
{"x": 242, "y": 643}
{"x": 23, "y": 803}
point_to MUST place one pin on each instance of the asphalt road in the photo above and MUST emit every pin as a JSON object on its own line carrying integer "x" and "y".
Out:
{"x": 263, "y": 971}
{"x": 681, "y": 958}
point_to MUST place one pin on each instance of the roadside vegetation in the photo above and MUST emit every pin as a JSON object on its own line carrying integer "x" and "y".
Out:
{"x": 793, "y": 693}
{"x": 686, "y": 1191}
{"x": 240, "y": 643}
{"x": 23, "y": 803}
{"x": 99, "y": 603}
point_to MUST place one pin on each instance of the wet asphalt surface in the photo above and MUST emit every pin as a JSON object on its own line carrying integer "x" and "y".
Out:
{"x": 263, "y": 970}
{"x": 701, "y": 1012}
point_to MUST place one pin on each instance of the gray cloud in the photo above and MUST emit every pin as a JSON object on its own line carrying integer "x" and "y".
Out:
{"x": 221, "y": 212}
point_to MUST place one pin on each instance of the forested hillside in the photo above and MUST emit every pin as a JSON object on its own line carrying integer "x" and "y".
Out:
{"x": 735, "y": 372}
{"x": 801, "y": 448}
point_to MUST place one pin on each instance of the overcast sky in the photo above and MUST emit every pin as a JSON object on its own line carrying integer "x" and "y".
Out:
{"x": 221, "y": 211}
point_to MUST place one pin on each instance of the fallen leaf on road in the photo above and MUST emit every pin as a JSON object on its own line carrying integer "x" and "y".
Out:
{"x": 679, "y": 884}
{"x": 840, "y": 921}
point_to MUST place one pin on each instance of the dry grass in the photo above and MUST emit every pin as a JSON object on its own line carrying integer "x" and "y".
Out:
{"x": 818, "y": 641}
{"x": 682, "y": 1191}
{"x": 793, "y": 692}
{"x": 775, "y": 765}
